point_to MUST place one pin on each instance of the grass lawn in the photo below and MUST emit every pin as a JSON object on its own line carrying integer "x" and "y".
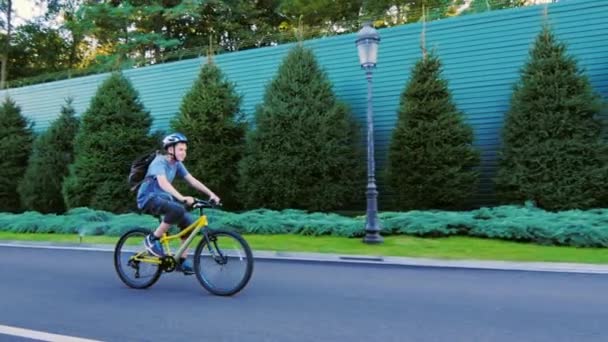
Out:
{"x": 446, "y": 248}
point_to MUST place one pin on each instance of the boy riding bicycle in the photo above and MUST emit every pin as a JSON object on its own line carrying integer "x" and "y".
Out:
{"x": 157, "y": 196}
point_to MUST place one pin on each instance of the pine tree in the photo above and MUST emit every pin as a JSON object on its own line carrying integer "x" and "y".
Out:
{"x": 114, "y": 131}
{"x": 431, "y": 157}
{"x": 52, "y": 153}
{"x": 553, "y": 153}
{"x": 211, "y": 118}
{"x": 303, "y": 153}
{"x": 16, "y": 138}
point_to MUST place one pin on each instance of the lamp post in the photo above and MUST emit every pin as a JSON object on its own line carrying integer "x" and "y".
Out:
{"x": 367, "y": 46}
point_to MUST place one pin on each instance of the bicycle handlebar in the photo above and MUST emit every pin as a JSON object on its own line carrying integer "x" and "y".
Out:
{"x": 200, "y": 203}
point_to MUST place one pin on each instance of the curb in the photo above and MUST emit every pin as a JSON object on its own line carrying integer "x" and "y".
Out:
{"x": 364, "y": 259}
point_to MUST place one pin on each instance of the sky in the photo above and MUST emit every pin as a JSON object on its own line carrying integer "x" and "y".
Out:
{"x": 25, "y": 10}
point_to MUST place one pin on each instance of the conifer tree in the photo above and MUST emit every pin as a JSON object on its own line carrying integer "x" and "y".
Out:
{"x": 114, "y": 131}
{"x": 52, "y": 153}
{"x": 431, "y": 157}
{"x": 16, "y": 138}
{"x": 211, "y": 119}
{"x": 303, "y": 152}
{"x": 553, "y": 153}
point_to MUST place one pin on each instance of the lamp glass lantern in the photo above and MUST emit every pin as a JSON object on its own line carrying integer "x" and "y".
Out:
{"x": 367, "y": 46}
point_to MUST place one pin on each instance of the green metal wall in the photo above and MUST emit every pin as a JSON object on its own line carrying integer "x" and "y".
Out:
{"x": 482, "y": 55}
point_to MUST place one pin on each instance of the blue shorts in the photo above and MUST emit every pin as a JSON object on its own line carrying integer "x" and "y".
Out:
{"x": 171, "y": 211}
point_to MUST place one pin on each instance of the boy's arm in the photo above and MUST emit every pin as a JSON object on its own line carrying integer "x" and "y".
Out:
{"x": 195, "y": 183}
{"x": 168, "y": 187}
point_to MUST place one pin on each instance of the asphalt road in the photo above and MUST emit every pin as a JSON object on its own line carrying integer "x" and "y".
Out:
{"x": 77, "y": 293}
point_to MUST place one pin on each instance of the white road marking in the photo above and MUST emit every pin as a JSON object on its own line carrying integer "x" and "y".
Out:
{"x": 71, "y": 248}
{"x": 40, "y": 335}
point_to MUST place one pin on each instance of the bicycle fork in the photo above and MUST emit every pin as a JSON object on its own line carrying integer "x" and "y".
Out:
{"x": 215, "y": 251}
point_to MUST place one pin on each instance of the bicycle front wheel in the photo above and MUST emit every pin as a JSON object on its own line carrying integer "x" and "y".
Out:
{"x": 134, "y": 266}
{"x": 223, "y": 262}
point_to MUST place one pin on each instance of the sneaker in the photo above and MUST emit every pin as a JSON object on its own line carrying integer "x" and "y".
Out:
{"x": 153, "y": 246}
{"x": 186, "y": 267}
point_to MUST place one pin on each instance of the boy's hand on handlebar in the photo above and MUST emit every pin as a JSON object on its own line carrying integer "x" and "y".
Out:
{"x": 213, "y": 198}
{"x": 189, "y": 200}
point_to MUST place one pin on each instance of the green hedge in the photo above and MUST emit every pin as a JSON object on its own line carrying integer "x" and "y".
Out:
{"x": 519, "y": 223}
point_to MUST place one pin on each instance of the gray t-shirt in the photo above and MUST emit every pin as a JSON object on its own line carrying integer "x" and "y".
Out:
{"x": 159, "y": 166}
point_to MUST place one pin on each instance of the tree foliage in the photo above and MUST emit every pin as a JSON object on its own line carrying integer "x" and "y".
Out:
{"x": 6, "y": 23}
{"x": 478, "y": 6}
{"x": 553, "y": 152}
{"x": 46, "y": 51}
{"x": 114, "y": 131}
{"x": 321, "y": 13}
{"x": 431, "y": 157}
{"x": 397, "y": 12}
{"x": 211, "y": 118}
{"x": 52, "y": 153}
{"x": 15, "y": 145}
{"x": 113, "y": 34}
{"x": 303, "y": 152}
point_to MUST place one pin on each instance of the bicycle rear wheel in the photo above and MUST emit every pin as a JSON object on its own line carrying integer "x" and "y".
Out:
{"x": 223, "y": 263}
{"x": 129, "y": 260}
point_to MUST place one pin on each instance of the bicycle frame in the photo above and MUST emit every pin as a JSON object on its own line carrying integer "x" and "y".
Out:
{"x": 217, "y": 250}
{"x": 192, "y": 230}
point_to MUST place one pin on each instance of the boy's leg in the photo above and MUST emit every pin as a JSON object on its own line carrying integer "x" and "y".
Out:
{"x": 183, "y": 224}
{"x": 162, "y": 229}
{"x": 172, "y": 213}
{"x": 185, "y": 264}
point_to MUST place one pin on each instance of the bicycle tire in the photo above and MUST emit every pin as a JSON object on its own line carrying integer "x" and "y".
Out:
{"x": 122, "y": 253}
{"x": 225, "y": 255}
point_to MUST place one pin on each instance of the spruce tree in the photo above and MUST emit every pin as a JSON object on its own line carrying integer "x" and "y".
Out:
{"x": 16, "y": 138}
{"x": 52, "y": 153}
{"x": 211, "y": 119}
{"x": 114, "y": 131}
{"x": 431, "y": 157}
{"x": 303, "y": 152}
{"x": 552, "y": 151}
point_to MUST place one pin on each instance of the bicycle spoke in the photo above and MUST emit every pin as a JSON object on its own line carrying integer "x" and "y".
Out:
{"x": 224, "y": 263}
{"x": 135, "y": 267}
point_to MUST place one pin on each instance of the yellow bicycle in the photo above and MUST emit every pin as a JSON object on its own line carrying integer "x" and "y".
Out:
{"x": 223, "y": 261}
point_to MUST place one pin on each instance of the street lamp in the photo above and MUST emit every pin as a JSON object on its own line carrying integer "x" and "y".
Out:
{"x": 367, "y": 45}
